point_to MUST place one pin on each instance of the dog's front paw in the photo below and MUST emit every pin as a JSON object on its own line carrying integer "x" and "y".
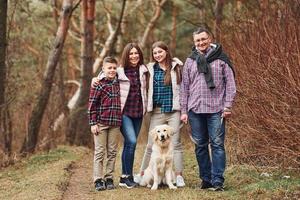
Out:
{"x": 148, "y": 186}
{"x": 154, "y": 187}
{"x": 172, "y": 187}
{"x": 142, "y": 184}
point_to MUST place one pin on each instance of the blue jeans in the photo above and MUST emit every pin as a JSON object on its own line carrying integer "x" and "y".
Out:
{"x": 207, "y": 128}
{"x": 130, "y": 130}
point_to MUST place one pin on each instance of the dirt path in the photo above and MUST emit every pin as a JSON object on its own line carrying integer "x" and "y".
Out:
{"x": 80, "y": 185}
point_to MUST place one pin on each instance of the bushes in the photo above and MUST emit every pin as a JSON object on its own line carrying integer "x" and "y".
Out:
{"x": 266, "y": 54}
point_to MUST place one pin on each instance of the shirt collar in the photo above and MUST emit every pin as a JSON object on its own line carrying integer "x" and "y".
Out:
{"x": 207, "y": 51}
{"x": 102, "y": 76}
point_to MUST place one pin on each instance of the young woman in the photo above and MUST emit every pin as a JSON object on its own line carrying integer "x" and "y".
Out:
{"x": 163, "y": 103}
{"x": 133, "y": 74}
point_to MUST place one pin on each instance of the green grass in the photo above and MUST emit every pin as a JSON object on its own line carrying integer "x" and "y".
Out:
{"x": 245, "y": 181}
{"x": 42, "y": 176}
{"x": 242, "y": 182}
{"x": 45, "y": 176}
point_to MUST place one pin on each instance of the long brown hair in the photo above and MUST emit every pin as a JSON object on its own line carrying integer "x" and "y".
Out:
{"x": 167, "y": 79}
{"x": 125, "y": 55}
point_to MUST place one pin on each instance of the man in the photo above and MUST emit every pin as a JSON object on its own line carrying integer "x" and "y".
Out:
{"x": 206, "y": 96}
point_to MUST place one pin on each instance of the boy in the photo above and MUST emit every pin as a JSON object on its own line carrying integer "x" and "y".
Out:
{"x": 105, "y": 119}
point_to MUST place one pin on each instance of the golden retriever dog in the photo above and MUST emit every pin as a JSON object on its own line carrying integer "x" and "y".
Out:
{"x": 160, "y": 169}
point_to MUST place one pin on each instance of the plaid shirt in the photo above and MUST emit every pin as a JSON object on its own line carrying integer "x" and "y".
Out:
{"x": 134, "y": 104}
{"x": 105, "y": 104}
{"x": 162, "y": 94}
{"x": 195, "y": 94}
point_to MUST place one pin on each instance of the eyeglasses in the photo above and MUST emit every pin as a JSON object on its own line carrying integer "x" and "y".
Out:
{"x": 201, "y": 39}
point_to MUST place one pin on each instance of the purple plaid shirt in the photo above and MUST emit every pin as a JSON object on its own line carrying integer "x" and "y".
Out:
{"x": 196, "y": 96}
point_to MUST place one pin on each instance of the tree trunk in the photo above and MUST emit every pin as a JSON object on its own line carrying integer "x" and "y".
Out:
{"x": 218, "y": 17}
{"x": 78, "y": 128}
{"x": 111, "y": 48}
{"x": 3, "y": 70}
{"x": 150, "y": 26}
{"x": 202, "y": 13}
{"x": 174, "y": 29}
{"x": 5, "y": 121}
{"x": 110, "y": 41}
{"x": 64, "y": 106}
{"x": 35, "y": 120}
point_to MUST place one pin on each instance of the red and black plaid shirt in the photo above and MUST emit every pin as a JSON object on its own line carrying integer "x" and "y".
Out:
{"x": 105, "y": 103}
{"x": 134, "y": 104}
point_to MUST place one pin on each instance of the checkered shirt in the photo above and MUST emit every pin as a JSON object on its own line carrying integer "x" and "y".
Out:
{"x": 195, "y": 94}
{"x": 134, "y": 104}
{"x": 162, "y": 94}
{"x": 105, "y": 104}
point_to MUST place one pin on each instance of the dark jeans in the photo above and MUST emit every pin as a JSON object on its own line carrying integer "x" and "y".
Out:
{"x": 130, "y": 130}
{"x": 207, "y": 128}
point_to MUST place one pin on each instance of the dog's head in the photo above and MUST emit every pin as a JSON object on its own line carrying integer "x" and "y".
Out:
{"x": 162, "y": 134}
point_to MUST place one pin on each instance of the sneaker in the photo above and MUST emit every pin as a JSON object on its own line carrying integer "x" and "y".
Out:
{"x": 217, "y": 187}
{"x": 127, "y": 182}
{"x": 131, "y": 178}
{"x": 110, "y": 184}
{"x": 180, "y": 181}
{"x": 100, "y": 185}
{"x": 206, "y": 185}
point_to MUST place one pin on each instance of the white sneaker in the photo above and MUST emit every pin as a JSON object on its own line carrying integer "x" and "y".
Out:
{"x": 180, "y": 181}
{"x": 137, "y": 178}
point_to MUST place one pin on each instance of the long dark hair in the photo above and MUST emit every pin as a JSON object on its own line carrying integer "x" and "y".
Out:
{"x": 167, "y": 79}
{"x": 125, "y": 55}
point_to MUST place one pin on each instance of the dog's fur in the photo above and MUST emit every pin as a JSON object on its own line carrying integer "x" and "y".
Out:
{"x": 160, "y": 169}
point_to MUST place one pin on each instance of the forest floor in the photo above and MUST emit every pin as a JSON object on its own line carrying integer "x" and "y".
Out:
{"x": 66, "y": 173}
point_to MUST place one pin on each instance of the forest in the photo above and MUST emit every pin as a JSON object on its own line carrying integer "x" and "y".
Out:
{"x": 50, "y": 50}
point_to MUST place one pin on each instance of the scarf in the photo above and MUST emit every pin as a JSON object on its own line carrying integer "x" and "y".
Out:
{"x": 203, "y": 63}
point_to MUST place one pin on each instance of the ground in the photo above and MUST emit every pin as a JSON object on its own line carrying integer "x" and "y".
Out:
{"x": 66, "y": 173}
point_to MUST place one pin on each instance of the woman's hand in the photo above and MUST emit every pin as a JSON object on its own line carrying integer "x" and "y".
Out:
{"x": 94, "y": 81}
{"x": 184, "y": 118}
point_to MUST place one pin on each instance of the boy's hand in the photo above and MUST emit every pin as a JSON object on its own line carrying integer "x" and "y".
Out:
{"x": 95, "y": 129}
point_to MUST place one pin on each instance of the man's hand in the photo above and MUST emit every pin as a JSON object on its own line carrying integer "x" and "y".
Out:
{"x": 184, "y": 118}
{"x": 226, "y": 113}
{"x": 95, "y": 129}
